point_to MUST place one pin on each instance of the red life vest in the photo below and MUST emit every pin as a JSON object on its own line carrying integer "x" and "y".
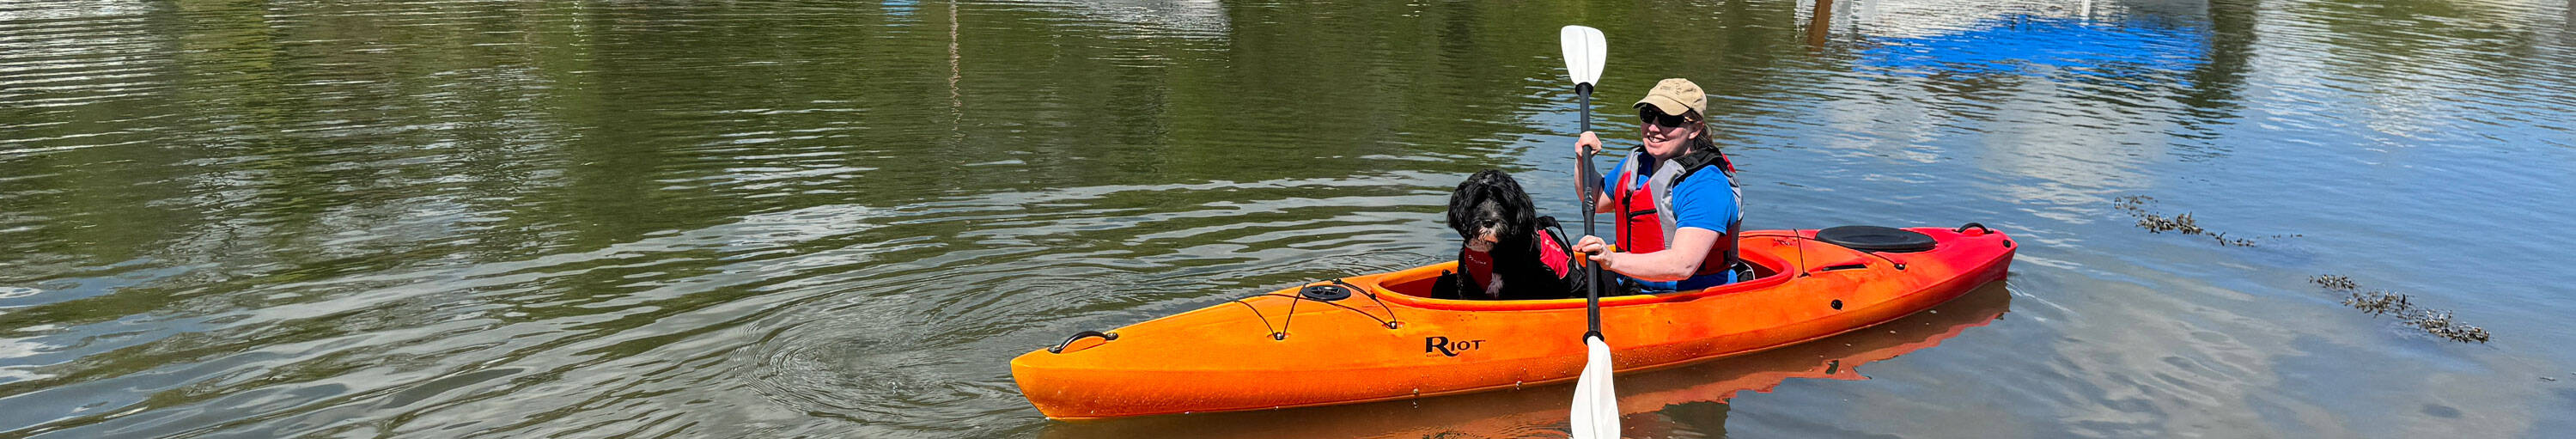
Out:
{"x": 1646, "y": 221}
{"x": 1640, "y": 230}
{"x": 1480, "y": 265}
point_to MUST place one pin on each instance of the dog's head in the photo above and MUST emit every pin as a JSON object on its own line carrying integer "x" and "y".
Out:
{"x": 1491, "y": 209}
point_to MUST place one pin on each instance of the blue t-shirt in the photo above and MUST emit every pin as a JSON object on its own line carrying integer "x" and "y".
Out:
{"x": 1705, "y": 200}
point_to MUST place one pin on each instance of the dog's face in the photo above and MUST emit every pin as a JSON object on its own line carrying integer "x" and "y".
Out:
{"x": 1490, "y": 209}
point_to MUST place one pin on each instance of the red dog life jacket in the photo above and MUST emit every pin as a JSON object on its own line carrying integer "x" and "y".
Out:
{"x": 1480, "y": 265}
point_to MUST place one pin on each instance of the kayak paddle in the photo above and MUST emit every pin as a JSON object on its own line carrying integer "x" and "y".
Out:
{"x": 1596, "y": 407}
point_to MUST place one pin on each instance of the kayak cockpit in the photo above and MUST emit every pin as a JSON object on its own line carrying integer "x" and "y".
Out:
{"x": 1770, "y": 253}
{"x": 1414, "y": 286}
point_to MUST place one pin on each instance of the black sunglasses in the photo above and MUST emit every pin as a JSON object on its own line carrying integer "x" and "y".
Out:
{"x": 1658, "y": 118}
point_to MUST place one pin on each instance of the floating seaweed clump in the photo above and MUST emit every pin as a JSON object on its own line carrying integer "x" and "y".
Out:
{"x": 2335, "y": 282}
{"x": 2439, "y": 323}
{"x": 2379, "y": 303}
{"x": 2136, "y": 206}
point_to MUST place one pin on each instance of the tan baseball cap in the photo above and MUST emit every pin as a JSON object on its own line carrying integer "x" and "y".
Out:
{"x": 1675, "y": 96}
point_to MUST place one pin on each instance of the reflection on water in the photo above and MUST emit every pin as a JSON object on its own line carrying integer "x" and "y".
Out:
{"x": 499, "y": 218}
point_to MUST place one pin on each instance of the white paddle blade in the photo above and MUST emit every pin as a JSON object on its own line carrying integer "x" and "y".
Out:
{"x": 1596, "y": 405}
{"x": 1584, "y": 53}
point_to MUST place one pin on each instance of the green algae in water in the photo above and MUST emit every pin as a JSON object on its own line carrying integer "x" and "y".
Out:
{"x": 2436, "y": 322}
{"x": 2136, "y": 206}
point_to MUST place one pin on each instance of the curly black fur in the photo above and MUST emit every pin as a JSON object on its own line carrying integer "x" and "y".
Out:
{"x": 1491, "y": 202}
{"x": 1492, "y": 206}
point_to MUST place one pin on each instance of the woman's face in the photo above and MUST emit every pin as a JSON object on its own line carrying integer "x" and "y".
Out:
{"x": 1667, "y": 136}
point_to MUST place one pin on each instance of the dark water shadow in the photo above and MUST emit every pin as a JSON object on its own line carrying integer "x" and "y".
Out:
{"x": 1646, "y": 399}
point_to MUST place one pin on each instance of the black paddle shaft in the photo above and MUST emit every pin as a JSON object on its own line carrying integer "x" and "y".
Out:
{"x": 1592, "y": 292}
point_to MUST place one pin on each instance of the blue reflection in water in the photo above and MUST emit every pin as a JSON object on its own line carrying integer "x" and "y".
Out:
{"x": 2034, "y": 45}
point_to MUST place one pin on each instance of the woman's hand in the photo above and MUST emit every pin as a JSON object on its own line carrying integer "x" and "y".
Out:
{"x": 1593, "y": 248}
{"x": 1587, "y": 180}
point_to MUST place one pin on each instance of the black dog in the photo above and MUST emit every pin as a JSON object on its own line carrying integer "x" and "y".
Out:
{"x": 1510, "y": 253}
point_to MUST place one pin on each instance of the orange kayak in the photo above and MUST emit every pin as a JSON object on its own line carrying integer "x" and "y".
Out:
{"x": 1519, "y": 413}
{"x": 1379, "y": 337}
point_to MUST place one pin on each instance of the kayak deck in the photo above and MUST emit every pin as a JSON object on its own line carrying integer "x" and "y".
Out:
{"x": 1384, "y": 339}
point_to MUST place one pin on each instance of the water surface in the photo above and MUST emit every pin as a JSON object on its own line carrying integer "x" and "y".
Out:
{"x": 771, "y": 219}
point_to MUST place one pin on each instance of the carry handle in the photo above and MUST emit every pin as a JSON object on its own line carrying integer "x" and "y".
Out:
{"x": 1963, "y": 228}
{"x": 1068, "y": 341}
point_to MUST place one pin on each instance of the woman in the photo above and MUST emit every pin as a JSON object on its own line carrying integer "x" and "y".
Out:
{"x": 1678, "y": 214}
